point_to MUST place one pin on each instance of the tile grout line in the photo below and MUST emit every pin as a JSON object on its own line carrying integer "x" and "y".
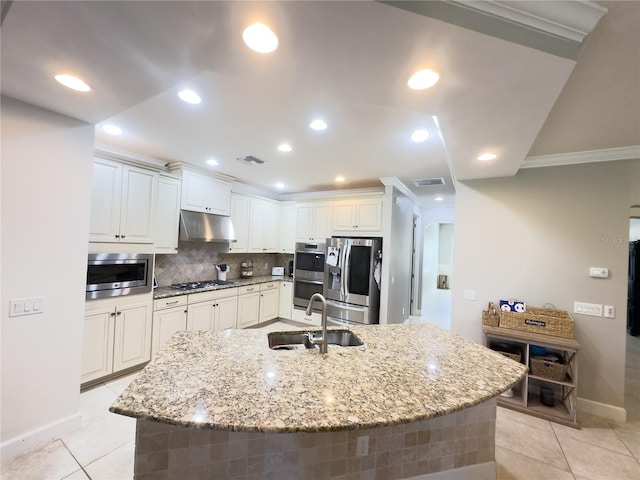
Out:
{"x": 623, "y": 443}
{"x": 76, "y": 460}
{"x": 555, "y": 434}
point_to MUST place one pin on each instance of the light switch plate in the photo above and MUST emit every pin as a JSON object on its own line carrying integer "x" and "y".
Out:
{"x": 593, "y": 309}
{"x": 19, "y": 307}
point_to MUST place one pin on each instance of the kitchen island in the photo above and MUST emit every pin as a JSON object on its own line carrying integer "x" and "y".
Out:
{"x": 413, "y": 400}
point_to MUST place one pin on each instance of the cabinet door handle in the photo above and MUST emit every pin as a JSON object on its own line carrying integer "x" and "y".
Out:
{"x": 122, "y": 236}
{"x": 113, "y": 314}
{"x": 249, "y": 289}
{"x": 185, "y": 311}
{"x": 117, "y": 236}
{"x": 171, "y": 303}
{"x": 118, "y": 313}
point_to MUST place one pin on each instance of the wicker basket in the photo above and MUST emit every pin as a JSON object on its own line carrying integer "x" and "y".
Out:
{"x": 557, "y": 323}
{"x": 513, "y": 356}
{"x": 490, "y": 319}
{"x": 553, "y": 370}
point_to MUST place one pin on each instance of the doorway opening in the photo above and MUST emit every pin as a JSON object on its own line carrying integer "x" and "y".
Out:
{"x": 437, "y": 265}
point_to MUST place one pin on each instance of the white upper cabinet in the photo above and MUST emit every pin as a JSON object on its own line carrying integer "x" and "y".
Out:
{"x": 167, "y": 215}
{"x": 313, "y": 221}
{"x": 256, "y": 222}
{"x": 240, "y": 209}
{"x": 264, "y": 226}
{"x": 288, "y": 228}
{"x": 122, "y": 203}
{"x": 202, "y": 193}
{"x": 358, "y": 215}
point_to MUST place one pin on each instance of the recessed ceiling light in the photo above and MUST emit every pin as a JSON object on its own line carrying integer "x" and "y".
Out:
{"x": 318, "y": 125}
{"x": 438, "y": 199}
{"x": 189, "y": 96}
{"x": 487, "y": 156}
{"x": 284, "y": 147}
{"x": 280, "y": 185}
{"x": 339, "y": 178}
{"x": 260, "y": 38}
{"x": 213, "y": 162}
{"x": 72, "y": 82}
{"x": 419, "y": 135}
{"x": 112, "y": 129}
{"x": 423, "y": 79}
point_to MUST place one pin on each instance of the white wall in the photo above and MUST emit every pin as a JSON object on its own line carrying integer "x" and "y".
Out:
{"x": 533, "y": 237}
{"x": 396, "y": 250}
{"x": 46, "y": 181}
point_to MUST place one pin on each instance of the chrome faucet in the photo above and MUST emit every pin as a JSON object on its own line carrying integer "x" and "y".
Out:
{"x": 319, "y": 341}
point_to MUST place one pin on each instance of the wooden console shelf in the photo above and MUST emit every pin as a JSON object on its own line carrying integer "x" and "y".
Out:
{"x": 526, "y": 396}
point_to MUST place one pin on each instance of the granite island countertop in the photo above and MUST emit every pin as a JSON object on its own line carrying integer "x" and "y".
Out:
{"x": 231, "y": 380}
{"x": 167, "y": 292}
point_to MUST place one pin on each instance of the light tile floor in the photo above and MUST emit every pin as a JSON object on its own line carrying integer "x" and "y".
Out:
{"x": 527, "y": 448}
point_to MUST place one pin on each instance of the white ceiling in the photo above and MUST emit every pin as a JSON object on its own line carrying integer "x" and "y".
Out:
{"x": 347, "y": 62}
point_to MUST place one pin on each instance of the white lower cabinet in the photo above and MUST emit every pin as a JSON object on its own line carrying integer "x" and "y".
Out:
{"x": 132, "y": 335}
{"x": 226, "y": 313}
{"x": 169, "y": 317}
{"x": 116, "y": 337}
{"x": 269, "y": 301}
{"x": 97, "y": 349}
{"x": 214, "y": 310}
{"x": 286, "y": 299}
{"x": 248, "y": 306}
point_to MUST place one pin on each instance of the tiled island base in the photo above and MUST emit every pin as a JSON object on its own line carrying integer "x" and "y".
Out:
{"x": 418, "y": 449}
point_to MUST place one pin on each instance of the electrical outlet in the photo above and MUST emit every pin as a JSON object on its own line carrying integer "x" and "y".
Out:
{"x": 362, "y": 447}
{"x": 609, "y": 311}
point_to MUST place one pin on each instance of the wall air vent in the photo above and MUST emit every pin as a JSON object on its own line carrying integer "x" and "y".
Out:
{"x": 429, "y": 182}
{"x": 250, "y": 160}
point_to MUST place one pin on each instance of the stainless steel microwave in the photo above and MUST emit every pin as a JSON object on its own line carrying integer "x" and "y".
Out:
{"x": 115, "y": 274}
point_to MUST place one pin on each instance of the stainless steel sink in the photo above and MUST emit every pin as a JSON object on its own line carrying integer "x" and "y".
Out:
{"x": 302, "y": 340}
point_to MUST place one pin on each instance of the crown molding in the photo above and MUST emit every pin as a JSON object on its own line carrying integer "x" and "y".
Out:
{"x": 109, "y": 152}
{"x": 588, "y": 156}
{"x": 331, "y": 194}
{"x": 179, "y": 166}
{"x": 568, "y": 20}
{"x": 395, "y": 182}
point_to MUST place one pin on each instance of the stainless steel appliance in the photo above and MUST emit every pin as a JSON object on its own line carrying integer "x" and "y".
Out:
{"x": 114, "y": 274}
{"x": 308, "y": 273}
{"x": 352, "y": 280}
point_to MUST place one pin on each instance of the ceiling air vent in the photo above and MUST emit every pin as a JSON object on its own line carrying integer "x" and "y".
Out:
{"x": 429, "y": 182}
{"x": 250, "y": 160}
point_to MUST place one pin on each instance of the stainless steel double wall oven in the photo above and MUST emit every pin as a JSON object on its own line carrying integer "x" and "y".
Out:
{"x": 308, "y": 275}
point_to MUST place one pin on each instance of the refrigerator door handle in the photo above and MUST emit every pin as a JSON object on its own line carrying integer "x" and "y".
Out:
{"x": 344, "y": 287}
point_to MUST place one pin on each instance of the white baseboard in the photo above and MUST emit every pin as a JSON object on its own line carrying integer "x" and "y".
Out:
{"x": 617, "y": 414}
{"x": 480, "y": 471}
{"x": 36, "y": 438}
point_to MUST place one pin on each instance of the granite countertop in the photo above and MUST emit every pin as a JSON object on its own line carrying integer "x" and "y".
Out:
{"x": 166, "y": 292}
{"x": 231, "y": 380}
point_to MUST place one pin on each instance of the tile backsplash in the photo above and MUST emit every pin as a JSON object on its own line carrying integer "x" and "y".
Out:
{"x": 197, "y": 261}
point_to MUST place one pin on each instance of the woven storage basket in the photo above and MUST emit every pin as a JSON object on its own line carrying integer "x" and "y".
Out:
{"x": 557, "y": 323}
{"x": 490, "y": 319}
{"x": 512, "y": 356}
{"x": 552, "y": 370}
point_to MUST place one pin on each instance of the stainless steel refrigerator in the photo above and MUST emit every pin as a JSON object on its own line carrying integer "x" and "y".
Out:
{"x": 352, "y": 280}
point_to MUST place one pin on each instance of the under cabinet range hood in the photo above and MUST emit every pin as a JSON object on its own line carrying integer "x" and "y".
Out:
{"x": 205, "y": 227}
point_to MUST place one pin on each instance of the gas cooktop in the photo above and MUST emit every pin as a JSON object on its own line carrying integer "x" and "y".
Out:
{"x": 203, "y": 284}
